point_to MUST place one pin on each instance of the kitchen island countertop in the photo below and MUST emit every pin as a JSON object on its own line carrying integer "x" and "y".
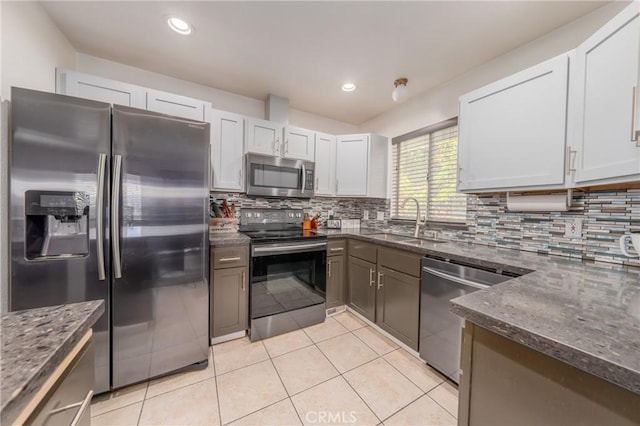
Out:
{"x": 586, "y": 314}
{"x": 34, "y": 343}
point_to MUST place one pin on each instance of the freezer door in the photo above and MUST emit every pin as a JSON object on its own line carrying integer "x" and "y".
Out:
{"x": 160, "y": 244}
{"x": 58, "y": 144}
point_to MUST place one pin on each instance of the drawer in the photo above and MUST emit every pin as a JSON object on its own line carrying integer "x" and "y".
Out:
{"x": 336, "y": 247}
{"x": 401, "y": 261}
{"x": 362, "y": 250}
{"x": 229, "y": 257}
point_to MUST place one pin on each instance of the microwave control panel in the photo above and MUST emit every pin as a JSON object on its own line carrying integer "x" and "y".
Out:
{"x": 308, "y": 180}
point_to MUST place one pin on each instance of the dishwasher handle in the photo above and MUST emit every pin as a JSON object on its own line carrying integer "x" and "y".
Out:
{"x": 454, "y": 278}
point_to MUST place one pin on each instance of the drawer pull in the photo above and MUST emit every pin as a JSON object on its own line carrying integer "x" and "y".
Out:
{"x": 380, "y": 275}
{"x": 329, "y": 268}
{"x": 229, "y": 259}
{"x": 372, "y": 278}
{"x": 337, "y": 249}
{"x": 72, "y": 406}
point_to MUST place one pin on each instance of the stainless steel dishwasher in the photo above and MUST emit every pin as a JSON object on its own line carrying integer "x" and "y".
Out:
{"x": 440, "y": 330}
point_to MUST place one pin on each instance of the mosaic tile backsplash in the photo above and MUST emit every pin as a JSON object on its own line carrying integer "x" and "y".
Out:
{"x": 606, "y": 215}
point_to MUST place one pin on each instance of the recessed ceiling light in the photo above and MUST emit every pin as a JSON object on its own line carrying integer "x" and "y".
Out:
{"x": 348, "y": 87}
{"x": 178, "y": 25}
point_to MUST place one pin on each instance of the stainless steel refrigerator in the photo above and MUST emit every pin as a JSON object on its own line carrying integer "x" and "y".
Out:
{"x": 112, "y": 203}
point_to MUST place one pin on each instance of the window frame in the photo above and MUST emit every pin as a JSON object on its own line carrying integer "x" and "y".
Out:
{"x": 395, "y": 204}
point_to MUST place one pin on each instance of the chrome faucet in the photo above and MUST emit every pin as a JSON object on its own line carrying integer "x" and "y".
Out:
{"x": 419, "y": 222}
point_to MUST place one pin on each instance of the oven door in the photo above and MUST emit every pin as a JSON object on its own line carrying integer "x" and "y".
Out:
{"x": 288, "y": 285}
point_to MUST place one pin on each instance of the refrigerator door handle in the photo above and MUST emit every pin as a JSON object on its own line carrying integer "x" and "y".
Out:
{"x": 102, "y": 163}
{"x": 115, "y": 215}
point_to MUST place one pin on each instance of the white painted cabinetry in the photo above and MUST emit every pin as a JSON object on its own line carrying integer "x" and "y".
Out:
{"x": 299, "y": 143}
{"x": 512, "y": 132}
{"x": 227, "y": 151}
{"x": 176, "y": 105}
{"x": 263, "y": 136}
{"x": 361, "y": 165}
{"x": 604, "y": 79}
{"x": 325, "y": 159}
{"x": 100, "y": 89}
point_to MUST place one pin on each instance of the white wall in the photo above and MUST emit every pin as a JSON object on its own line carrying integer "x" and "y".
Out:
{"x": 441, "y": 102}
{"x": 32, "y": 47}
{"x": 220, "y": 99}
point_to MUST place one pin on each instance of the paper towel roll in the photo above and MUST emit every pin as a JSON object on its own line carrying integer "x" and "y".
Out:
{"x": 538, "y": 203}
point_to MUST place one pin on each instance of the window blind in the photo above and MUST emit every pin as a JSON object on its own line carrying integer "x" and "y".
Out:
{"x": 425, "y": 168}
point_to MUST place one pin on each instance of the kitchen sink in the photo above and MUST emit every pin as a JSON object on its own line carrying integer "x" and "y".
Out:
{"x": 391, "y": 237}
{"x": 422, "y": 242}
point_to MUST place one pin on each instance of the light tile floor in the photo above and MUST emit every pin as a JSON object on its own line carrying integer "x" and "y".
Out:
{"x": 338, "y": 372}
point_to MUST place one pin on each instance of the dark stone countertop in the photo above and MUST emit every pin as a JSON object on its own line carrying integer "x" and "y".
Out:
{"x": 34, "y": 343}
{"x": 228, "y": 239}
{"x": 586, "y": 314}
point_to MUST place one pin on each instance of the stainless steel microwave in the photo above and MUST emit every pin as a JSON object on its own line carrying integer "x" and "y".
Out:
{"x": 279, "y": 177}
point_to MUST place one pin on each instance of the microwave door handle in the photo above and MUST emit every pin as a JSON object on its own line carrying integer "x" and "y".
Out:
{"x": 304, "y": 178}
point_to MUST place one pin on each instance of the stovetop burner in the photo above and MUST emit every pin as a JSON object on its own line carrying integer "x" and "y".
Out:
{"x": 289, "y": 235}
{"x": 270, "y": 225}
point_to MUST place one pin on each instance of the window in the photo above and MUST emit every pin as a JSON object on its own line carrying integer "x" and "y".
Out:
{"x": 425, "y": 168}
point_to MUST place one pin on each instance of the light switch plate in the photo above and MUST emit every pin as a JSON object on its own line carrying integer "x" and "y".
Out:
{"x": 380, "y": 216}
{"x": 573, "y": 228}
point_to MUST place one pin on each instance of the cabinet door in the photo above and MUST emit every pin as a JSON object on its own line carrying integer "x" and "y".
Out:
{"x": 335, "y": 281}
{"x": 512, "y": 132}
{"x": 352, "y": 164}
{"x": 100, "y": 89}
{"x": 398, "y": 305}
{"x": 325, "y": 147}
{"x": 263, "y": 137}
{"x": 178, "y": 106}
{"x": 227, "y": 151}
{"x": 362, "y": 292}
{"x": 299, "y": 144}
{"x": 605, "y": 77}
{"x": 229, "y": 302}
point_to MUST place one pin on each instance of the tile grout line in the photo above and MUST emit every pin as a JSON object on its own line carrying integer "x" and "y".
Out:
{"x": 409, "y": 378}
{"x": 282, "y": 382}
{"x": 455, "y": 416}
{"x": 215, "y": 377}
{"x": 142, "y": 406}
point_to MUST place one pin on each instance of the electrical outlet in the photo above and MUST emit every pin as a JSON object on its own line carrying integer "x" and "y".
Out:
{"x": 380, "y": 216}
{"x": 365, "y": 215}
{"x": 573, "y": 228}
{"x": 330, "y": 214}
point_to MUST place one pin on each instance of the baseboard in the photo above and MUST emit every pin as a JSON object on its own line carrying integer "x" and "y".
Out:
{"x": 228, "y": 337}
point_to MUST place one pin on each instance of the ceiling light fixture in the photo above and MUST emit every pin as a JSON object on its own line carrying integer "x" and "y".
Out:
{"x": 180, "y": 26}
{"x": 400, "y": 93}
{"x": 348, "y": 87}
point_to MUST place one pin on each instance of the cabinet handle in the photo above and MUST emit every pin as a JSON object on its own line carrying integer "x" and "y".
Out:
{"x": 286, "y": 146}
{"x": 459, "y": 175}
{"x": 329, "y": 268}
{"x": 570, "y": 160}
{"x": 229, "y": 259}
{"x": 243, "y": 277}
{"x": 83, "y": 408}
{"x": 337, "y": 249}
{"x": 372, "y": 279}
{"x": 634, "y": 110}
{"x": 380, "y": 275}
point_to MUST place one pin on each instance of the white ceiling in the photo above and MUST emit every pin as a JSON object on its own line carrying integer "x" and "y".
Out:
{"x": 305, "y": 50}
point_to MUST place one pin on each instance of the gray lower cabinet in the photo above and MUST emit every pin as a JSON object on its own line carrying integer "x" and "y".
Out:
{"x": 384, "y": 287}
{"x": 362, "y": 292}
{"x": 69, "y": 400}
{"x": 230, "y": 293}
{"x": 398, "y": 305}
{"x": 336, "y": 264}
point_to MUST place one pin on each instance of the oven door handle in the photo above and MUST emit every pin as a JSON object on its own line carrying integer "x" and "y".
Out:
{"x": 287, "y": 248}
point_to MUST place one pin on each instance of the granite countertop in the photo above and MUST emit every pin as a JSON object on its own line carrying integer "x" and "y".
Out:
{"x": 586, "y": 314}
{"x": 34, "y": 343}
{"x": 228, "y": 239}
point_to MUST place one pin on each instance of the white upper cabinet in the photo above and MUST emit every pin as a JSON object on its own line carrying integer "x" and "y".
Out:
{"x": 604, "y": 80}
{"x": 512, "y": 132}
{"x": 325, "y": 159}
{"x": 299, "y": 143}
{"x": 176, "y": 105}
{"x": 361, "y": 165}
{"x": 100, "y": 89}
{"x": 227, "y": 151}
{"x": 263, "y": 136}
